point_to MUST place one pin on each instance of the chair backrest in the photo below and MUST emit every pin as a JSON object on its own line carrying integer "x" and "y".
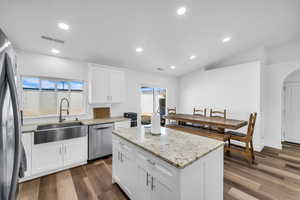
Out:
{"x": 251, "y": 125}
{"x": 199, "y": 112}
{"x": 171, "y": 111}
{"x": 219, "y": 114}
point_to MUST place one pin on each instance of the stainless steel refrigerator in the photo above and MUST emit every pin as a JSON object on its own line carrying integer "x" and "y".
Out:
{"x": 11, "y": 150}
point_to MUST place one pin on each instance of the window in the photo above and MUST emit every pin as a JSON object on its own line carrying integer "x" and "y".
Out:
{"x": 41, "y": 96}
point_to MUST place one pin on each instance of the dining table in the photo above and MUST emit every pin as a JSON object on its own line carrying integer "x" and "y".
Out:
{"x": 216, "y": 122}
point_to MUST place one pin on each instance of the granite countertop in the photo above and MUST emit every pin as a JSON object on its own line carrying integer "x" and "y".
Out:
{"x": 28, "y": 128}
{"x": 178, "y": 148}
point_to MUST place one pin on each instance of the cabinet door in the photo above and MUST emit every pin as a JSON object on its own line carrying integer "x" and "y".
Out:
{"x": 27, "y": 139}
{"x": 99, "y": 85}
{"x": 160, "y": 191}
{"x": 116, "y": 86}
{"x": 75, "y": 151}
{"x": 128, "y": 177}
{"x": 143, "y": 183}
{"x": 47, "y": 157}
{"x": 116, "y": 165}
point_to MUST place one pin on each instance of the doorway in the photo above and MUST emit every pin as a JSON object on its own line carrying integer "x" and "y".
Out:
{"x": 153, "y": 100}
{"x": 291, "y": 111}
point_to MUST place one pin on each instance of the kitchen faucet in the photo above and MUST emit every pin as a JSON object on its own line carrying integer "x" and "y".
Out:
{"x": 61, "y": 109}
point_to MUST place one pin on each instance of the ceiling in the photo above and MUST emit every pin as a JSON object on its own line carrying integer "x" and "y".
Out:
{"x": 107, "y": 32}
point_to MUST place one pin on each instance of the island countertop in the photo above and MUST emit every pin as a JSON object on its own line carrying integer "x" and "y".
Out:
{"x": 178, "y": 148}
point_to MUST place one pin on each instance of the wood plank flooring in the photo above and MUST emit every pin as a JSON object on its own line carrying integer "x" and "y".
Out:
{"x": 275, "y": 175}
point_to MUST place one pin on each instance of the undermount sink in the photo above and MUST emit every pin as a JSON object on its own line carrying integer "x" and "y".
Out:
{"x": 58, "y": 125}
{"x": 59, "y": 131}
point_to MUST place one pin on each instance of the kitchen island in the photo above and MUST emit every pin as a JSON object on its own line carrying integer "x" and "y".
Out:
{"x": 174, "y": 165}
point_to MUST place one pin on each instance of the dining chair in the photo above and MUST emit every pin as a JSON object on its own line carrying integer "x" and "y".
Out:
{"x": 218, "y": 114}
{"x": 171, "y": 111}
{"x": 201, "y": 113}
{"x": 246, "y": 138}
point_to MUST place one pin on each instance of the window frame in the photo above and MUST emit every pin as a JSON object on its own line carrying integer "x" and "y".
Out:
{"x": 56, "y": 90}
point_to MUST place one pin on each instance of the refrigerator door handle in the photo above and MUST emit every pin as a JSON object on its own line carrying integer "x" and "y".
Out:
{"x": 15, "y": 106}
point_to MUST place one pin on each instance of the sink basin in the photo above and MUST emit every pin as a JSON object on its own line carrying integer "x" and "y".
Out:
{"x": 58, "y": 125}
{"x": 60, "y": 131}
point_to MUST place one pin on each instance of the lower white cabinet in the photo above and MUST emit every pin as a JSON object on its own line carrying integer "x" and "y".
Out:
{"x": 47, "y": 157}
{"x": 75, "y": 151}
{"x": 56, "y": 155}
{"x": 124, "y": 167}
{"x": 144, "y": 176}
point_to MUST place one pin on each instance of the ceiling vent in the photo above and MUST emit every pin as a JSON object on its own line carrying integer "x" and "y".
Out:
{"x": 160, "y": 69}
{"x": 52, "y": 39}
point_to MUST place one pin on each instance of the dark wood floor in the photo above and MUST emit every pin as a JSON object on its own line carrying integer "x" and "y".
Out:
{"x": 276, "y": 175}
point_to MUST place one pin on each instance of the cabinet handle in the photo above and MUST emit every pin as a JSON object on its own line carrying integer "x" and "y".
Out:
{"x": 152, "y": 183}
{"x": 147, "y": 179}
{"x": 151, "y": 162}
{"x": 65, "y": 147}
{"x": 60, "y": 150}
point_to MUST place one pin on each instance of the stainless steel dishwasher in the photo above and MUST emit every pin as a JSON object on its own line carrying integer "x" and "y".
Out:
{"x": 100, "y": 140}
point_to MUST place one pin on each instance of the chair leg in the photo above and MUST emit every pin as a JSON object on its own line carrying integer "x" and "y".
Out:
{"x": 248, "y": 154}
{"x": 228, "y": 148}
{"x": 252, "y": 151}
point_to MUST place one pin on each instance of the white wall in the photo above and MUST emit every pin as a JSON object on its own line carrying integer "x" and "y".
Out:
{"x": 273, "y": 77}
{"x": 236, "y": 88}
{"x": 42, "y": 65}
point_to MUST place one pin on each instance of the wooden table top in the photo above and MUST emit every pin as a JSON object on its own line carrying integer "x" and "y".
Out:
{"x": 212, "y": 121}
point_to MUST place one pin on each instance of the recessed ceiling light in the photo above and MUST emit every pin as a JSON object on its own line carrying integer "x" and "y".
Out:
{"x": 192, "y": 57}
{"x": 139, "y": 49}
{"x": 63, "y": 26}
{"x": 226, "y": 39}
{"x": 55, "y": 51}
{"x": 181, "y": 11}
{"x": 172, "y": 67}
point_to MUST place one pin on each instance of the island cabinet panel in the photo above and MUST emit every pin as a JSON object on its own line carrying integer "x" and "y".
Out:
{"x": 144, "y": 176}
{"x": 124, "y": 170}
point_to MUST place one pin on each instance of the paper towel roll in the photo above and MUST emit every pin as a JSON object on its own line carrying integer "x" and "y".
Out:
{"x": 155, "y": 124}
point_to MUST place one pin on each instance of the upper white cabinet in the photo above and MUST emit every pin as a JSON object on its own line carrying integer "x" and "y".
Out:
{"x": 105, "y": 85}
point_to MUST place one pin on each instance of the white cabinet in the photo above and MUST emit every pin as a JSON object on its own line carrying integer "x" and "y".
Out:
{"x": 98, "y": 85}
{"x": 56, "y": 155}
{"x": 154, "y": 179}
{"x": 123, "y": 167}
{"x": 116, "y": 86}
{"x": 122, "y": 124}
{"x": 47, "y": 157}
{"x": 105, "y": 85}
{"x": 75, "y": 151}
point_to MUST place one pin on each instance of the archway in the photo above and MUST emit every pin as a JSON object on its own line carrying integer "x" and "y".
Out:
{"x": 291, "y": 108}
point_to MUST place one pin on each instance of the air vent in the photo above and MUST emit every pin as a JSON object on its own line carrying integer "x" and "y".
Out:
{"x": 160, "y": 69}
{"x": 52, "y": 39}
